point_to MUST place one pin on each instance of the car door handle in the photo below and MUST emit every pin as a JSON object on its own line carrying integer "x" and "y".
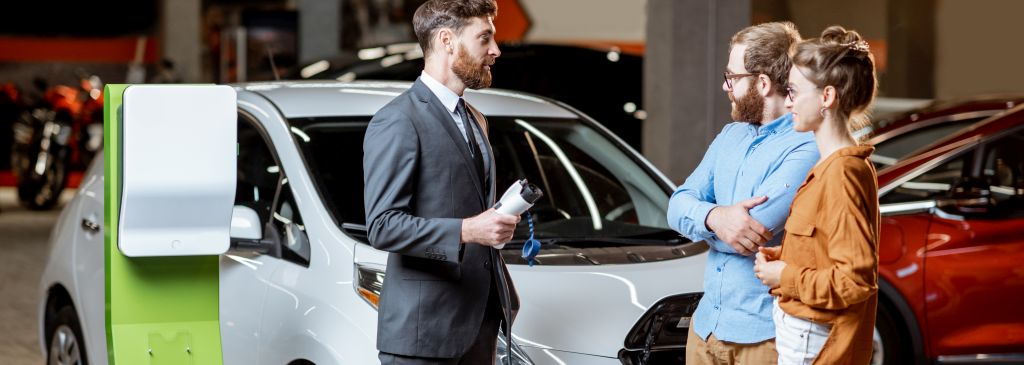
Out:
{"x": 90, "y": 225}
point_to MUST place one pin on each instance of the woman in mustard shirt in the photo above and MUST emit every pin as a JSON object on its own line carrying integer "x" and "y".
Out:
{"x": 825, "y": 273}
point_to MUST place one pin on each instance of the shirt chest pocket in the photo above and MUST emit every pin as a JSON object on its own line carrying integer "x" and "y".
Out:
{"x": 800, "y": 243}
{"x": 799, "y": 226}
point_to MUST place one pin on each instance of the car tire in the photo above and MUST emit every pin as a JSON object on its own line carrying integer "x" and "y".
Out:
{"x": 65, "y": 345}
{"x": 894, "y": 338}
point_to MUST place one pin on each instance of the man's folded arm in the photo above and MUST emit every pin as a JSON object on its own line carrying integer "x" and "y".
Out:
{"x": 780, "y": 187}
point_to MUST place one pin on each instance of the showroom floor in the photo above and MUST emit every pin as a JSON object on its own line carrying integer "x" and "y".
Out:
{"x": 23, "y": 250}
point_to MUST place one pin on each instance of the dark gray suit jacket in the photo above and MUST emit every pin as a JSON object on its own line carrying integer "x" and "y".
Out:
{"x": 420, "y": 183}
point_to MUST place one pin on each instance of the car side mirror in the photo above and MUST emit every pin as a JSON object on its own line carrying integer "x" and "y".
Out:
{"x": 969, "y": 196}
{"x": 247, "y": 230}
{"x": 245, "y": 224}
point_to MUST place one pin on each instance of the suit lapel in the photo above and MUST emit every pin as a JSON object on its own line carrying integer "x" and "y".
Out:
{"x": 491, "y": 171}
{"x": 443, "y": 117}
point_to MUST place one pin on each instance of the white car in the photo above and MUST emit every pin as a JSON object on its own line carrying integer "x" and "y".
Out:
{"x": 612, "y": 285}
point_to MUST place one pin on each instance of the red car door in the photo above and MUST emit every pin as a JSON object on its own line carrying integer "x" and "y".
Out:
{"x": 974, "y": 258}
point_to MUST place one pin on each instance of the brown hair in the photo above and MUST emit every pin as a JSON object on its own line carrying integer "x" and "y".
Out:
{"x": 767, "y": 50}
{"x": 454, "y": 14}
{"x": 841, "y": 58}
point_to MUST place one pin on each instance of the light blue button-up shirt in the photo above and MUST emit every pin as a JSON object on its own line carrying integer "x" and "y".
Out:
{"x": 744, "y": 161}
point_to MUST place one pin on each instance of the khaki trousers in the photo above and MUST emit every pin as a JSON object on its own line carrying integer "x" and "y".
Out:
{"x": 715, "y": 352}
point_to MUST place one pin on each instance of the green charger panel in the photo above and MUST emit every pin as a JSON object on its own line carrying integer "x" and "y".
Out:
{"x": 159, "y": 310}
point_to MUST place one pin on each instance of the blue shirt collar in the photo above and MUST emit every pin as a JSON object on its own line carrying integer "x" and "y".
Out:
{"x": 448, "y": 98}
{"x": 779, "y": 125}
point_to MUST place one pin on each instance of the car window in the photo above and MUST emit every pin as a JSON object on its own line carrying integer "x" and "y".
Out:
{"x": 931, "y": 184}
{"x": 585, "y": 178}
{"x": 890, "y": 151}
{"x": 287, "y": 224}
{"x": 258, "y": 171}
{"x": 262, "y": 186}
{"x": 999, "y": 167}
{"x": 592, "y": 186}
{"x": 335, "y": 153}
{"x": 1004, "y": 172}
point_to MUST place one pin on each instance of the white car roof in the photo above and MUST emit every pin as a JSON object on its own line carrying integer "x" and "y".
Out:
{"x": 299, "y": 99}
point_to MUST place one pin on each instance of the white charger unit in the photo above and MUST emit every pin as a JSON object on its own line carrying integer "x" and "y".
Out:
{"x": 179, "y": 154}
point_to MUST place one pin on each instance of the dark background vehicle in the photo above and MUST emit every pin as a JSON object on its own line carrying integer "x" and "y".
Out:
{"x": 604, "y": 83}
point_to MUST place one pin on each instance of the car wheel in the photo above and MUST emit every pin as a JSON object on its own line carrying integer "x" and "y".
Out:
{"x": 66, "y": 346}
{"x": 891, "y": 342}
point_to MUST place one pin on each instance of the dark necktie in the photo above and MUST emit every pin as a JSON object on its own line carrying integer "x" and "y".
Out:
{"x": 474, "y": 147}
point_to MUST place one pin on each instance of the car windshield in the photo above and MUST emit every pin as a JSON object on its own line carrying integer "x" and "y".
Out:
{"x": 897, "y": 148}
{"x": 596, "y": 194}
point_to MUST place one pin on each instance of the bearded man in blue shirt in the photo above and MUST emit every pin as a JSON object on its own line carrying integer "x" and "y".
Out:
{"x": 738, "y": 199}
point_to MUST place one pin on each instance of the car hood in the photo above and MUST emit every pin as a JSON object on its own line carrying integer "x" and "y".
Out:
{"x": 590, "y": 309}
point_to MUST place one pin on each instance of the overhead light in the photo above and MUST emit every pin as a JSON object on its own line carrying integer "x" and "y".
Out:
{"x": 414, "y": 54}
{"x": 401, "y": 47}
{"x": 629, "y": 107}
{"x": 391, "y": 60}
{"x": 347, "y": 77}
{"x": 372, "y": 53}
{"x": 315, "y": 68}
{"x": 613, "y": 56}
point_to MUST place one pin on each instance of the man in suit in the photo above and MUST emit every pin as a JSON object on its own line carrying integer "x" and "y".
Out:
{"x": 429, "y": 180}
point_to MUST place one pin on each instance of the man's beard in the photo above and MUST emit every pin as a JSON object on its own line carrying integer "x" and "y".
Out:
{"x": 749, "y": 108}
{"x": 470, "y": 71}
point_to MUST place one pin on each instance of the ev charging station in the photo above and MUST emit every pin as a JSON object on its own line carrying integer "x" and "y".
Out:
{"x": 170, "y": 160}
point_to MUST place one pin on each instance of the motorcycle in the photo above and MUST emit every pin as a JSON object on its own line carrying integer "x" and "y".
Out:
{"x": 61, "y": 130}
{"x": 87, "y": 132}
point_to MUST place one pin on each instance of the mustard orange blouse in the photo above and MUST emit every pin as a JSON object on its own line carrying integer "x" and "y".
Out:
{"x": 831, "y": 254}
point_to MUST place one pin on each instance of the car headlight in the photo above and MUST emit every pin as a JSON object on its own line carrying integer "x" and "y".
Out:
{"x": 659, "y": 337}
{"x": 370, "y": 280}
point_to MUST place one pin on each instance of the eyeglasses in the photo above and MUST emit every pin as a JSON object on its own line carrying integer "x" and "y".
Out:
{"x": 729, "y": 77}
{"x": 791, "y": 93}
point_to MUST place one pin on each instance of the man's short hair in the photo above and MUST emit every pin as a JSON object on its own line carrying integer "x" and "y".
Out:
{"x": 767, "y": 51}
{"x": 454, "y": 14}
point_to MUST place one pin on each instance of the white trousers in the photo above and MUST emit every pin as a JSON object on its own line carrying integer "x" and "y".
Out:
{"x": 797, "y": 340}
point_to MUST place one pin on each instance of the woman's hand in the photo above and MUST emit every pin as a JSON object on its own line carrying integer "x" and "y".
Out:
{"x": 768, "y": 267}
{"x": 771, "y": 253}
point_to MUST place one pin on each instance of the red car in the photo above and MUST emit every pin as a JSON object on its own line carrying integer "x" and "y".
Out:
{"x": 951, "y": 258}
{"x": 899, "y": 137}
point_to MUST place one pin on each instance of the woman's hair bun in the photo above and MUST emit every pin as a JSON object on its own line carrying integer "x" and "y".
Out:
{"x": 838, "y": 36}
